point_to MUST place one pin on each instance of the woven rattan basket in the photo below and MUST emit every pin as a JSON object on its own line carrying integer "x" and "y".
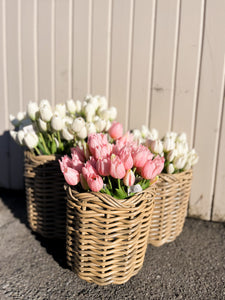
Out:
{"x": 45, "y": 194}
{"x": 171, "y": 201}
{"x": 107, "y": 238}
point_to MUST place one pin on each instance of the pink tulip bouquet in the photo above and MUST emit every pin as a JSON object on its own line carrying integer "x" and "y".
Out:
{"x": 114, "y": 164}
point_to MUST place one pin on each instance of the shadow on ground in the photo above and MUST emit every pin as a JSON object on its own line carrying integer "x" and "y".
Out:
{"x": 17, "y": 205}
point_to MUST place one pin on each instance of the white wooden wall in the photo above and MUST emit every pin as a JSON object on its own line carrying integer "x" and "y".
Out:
{"x": 160, "y": 62}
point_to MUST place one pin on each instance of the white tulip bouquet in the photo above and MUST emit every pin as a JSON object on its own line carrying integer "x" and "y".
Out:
{"x": 44, "y": 130}
{"x": 173, "y": 147}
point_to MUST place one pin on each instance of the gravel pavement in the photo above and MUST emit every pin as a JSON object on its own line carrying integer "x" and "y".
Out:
{"x": 191, "y": 267}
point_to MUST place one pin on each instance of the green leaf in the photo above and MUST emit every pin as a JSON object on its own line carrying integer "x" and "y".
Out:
{"x": 121, "y": 194}
{"x": 53, "y": 147}
{"x": 144, "y": 184}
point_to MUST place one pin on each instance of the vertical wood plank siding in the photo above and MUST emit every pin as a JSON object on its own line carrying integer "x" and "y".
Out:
{"x": 161, "y": 63}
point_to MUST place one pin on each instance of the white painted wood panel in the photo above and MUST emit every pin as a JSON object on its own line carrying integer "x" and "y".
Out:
{"x": 122, "y": 17}
{"x": 143, "y": 36}
{"x": 161, "y": 63}
{"x": 80, "y": 48}
{"x": 209, "y": 110}
{"x": 188, "y": 67}
{"x": 164, "y": 65}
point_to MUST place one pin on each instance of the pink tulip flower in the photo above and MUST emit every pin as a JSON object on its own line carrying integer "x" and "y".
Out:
{"x": 141, "y": 155}
{"x": 88, "y": 170}
{"x": 96, "y": 140}
{"x": 95, "y": 182}
{"x": 126, "y": 158}
{"x": 77, "y": 163}
{"x": 103, "y": 166}
{"x": 129, "y": 178}
{"x": 117, "y": 169}
{"x": 103, "y": 151}
{"x": 65, "y": 162}
{"x": 116, "y": 130}
{"x": 79, "y": 152}
{"x": 71, "y": 176}
{"x": 152, "y": 168}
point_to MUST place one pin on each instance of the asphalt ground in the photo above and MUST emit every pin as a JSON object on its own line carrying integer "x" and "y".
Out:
{"x": 31, "y": 267}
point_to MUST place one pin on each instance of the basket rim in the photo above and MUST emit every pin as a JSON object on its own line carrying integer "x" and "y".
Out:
{"x": 42, "y": 157}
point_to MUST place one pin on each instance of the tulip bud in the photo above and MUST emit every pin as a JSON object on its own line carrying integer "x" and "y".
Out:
{"x": 193, "y": 157}
{"x": 32, "y": 109}
{"x": 82, "y": 134}
{"x": 13, "y": 134}
{"x": 61, "y": 109}
{"x": 94, "y": 102}
{"x": 21, "y": 115}
{"x": 78, "y": 105}
{"x": 144, "y": 131}
{"x": 170, "y": 169}
{"x": 171, "y": 155}
{"x": 108, "y": 125}
{"x": 46, "y": 113}
{"x": 168, "y": 144}
{"x": 104, "y": 114}
{"x": 71, "y": 106}
{"x": 180, "y": 161}
{"x": 182, "y": 137}
{"x": 181, "y": 147}
{"x": 44, "y": 102}
{"x": 100, "y": 125}
{"x": 171, "y": 135}
{"x": 42, "y": 125}
{"x": 57, "y": 123}
{"x": 31, "y": 139}
{"x": 137, "y": 134}
{"x": 90, "y": 128}
{"x": 20, "y": 137}
{"x": 153, "y": 134}
{"x": 129, "y": 178}
{"x": 67, "y": 135}
{"x": 102, "y": 103}
{"x": 116, "y": 130}
{"x": 156, "y": 146}
{"x": 78, "y": 124}
{"x": 67, "y": 121}
{"x": 113, "y": 113}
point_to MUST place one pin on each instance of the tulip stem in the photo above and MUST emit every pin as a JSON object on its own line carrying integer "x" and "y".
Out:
{"x": 43, "y": 142}
{"x": 38, "y": 152}
{"x": 110, "y": 183}
{"x": 119, "y": 186}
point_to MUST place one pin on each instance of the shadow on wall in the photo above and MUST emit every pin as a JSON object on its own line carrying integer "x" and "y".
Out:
{"x": 11, "y": 163}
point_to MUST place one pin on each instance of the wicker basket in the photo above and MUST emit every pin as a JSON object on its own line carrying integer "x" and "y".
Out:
{"x": 107, "y": 238}
{"x": 46, "y": 197}
{"x": 171, "y": 201}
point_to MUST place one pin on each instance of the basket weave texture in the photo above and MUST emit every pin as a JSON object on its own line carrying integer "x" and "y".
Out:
{"x": 171, "y": 201}
{"x": 107, "y": 237}
{"x": 45, "y": 195}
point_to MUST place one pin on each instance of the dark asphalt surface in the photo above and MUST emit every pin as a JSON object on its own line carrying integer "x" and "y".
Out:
{"x": 191, "y": 267}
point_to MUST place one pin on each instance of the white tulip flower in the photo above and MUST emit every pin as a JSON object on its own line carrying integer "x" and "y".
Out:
{"x": 21, "y": 116}
{"x": 67, "y": 135}
{"x": 94, "y": 101}
{"x": 108, "y": 125}
{"x": 137, "y": 134}
{"x": 156, "y": 146}
{"x": 46, "y": 113}
{"x": 171, "y": 155}
{"x": 25, "y": 123}
{"x": 42, "y": 125}
{"x": 170, "y": 169}
{"x": 113, "y": 113}
{"x": 20, "y": 137}
{"x": 44, "y": 102}
{"x": 100, "y": 125}
{"x": 82, "y": 134}
{"x": 31, "y": 139}
{"x": 61, "y": 109}
{"x": 171, "y": 135}
{"x": 90, "y": 128}
{"x": 57, "y": 123}
{"x": 168, "y": 144}
{"x": 32, "y": 109}
{"x": 193, "y": 157}
{"x": 145, "y": 131}
{"x": 13, "y": 134}
{"x": 78, "y": 124}
{"x": 153, "y": 134}
{"x": 182, "y": 137}
{"x": 102, "y": 103}
{"x": 71, "y": 106}
{"x": 180, "y": 161}
{"x": 29, "y": 128}
{"x": 67, "y": 121}
{"x": 89, "y": 111}
{"x": 78, "y": 106}
{"x": 187, "y": 166}
{"x": 104, "y": 114}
